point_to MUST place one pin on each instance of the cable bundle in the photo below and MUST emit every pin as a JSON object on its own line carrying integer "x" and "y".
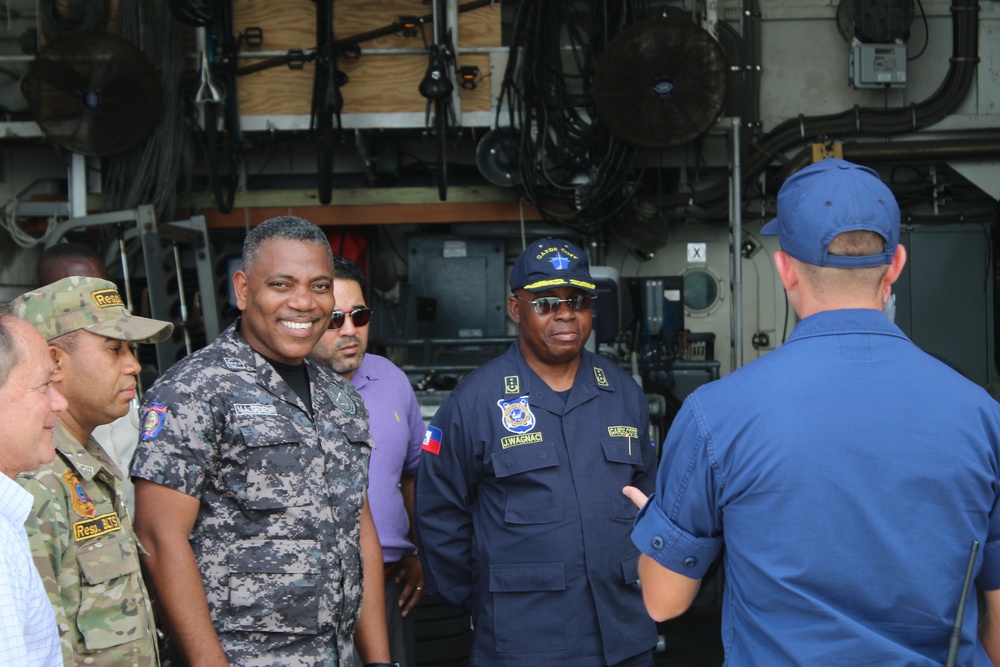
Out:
{"x": 571, "y": 166}
{"x": 153, "y": 172}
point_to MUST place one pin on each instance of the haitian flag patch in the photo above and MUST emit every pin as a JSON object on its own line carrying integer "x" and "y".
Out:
{"x": 432, "y": 440}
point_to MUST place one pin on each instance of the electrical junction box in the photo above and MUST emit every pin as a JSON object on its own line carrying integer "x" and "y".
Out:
{"x": 878, "y": 65}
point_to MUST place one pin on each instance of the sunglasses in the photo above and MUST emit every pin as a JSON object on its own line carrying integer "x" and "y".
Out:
{"x": 549, "y": 304}
{"x": 359, "y": 318}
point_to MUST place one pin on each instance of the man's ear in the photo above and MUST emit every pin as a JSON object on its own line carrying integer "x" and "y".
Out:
{"x": 896, "y": 268}
{"x": 786, "y": 270}
{"x": 240, "y": 289}
{"x": 57, "y": 354}
{"x": 514, "y": 309}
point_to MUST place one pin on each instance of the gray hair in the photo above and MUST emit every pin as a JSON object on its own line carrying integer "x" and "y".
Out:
{"x": 11, "y": 352}
{"x": 283, "y": 227}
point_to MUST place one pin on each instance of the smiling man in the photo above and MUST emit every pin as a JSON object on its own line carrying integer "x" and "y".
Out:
{"x": 520, "y": 514}
{"x": 251, "y": 477}
{"x": 79, "y": 530}
{"x": 29, "y": 407}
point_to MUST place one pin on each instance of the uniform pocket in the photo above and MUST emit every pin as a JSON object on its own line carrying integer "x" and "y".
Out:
{"x": 531, "y": 479}
{"x": 624, "y": 457}
{"x": 111, "y": 600}
{"x": 274, "y": 470}
{"x": 274, "y": 586}
{"x": 529, "y": 596}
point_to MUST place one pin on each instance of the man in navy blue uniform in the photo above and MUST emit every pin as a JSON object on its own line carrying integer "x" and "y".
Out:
{"x": 520, "y": 513}
{"x": 847, "y": 473}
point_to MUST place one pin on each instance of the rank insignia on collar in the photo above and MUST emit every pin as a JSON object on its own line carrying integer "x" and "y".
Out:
{"x": 516, "y": 415}
{"x": 85, "y": 469}
{"x": 602, "y": 379}
{"x": 234, "y": 364}
{"x": 512, "y": 384}
{"x": 343, "y": 401}
{"x": 82, "y": 503}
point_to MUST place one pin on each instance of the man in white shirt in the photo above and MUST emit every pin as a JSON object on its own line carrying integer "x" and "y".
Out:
{"x": 28, "y": 409}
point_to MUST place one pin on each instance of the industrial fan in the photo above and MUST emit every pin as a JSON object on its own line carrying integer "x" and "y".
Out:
{"x": 93, "y": 93}
{"x": 641, "y": 225}
{"x": 497, "y": 156}
{"x": 660, "y": 83}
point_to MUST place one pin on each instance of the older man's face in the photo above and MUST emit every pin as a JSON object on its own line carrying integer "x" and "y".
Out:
{"x": 29, "y": 405}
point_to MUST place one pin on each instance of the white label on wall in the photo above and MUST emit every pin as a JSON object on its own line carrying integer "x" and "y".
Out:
{"x": 455, "y": 249}
{"x": 697, "y": 253}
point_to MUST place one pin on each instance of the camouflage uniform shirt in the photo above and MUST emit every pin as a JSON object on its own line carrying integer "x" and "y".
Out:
{"x": 277, "y": 538}
{"x": 88, "y": 557}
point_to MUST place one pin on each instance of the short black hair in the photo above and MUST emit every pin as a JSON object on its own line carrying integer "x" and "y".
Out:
{"x": 345, "y": 269}
{"x": 283, "y": 227}
{"x": 53, "y": 256}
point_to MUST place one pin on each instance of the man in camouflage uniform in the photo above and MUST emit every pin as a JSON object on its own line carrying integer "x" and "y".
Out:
{"x": 79, "y": 530}
{"x": 251, "y": 478}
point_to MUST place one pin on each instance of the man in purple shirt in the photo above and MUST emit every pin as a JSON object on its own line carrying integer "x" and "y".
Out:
{"x": 398, "y": 431}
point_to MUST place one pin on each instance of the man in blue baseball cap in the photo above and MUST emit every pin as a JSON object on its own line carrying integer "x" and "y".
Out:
{"x": 520, "y": 514}
{"x": 847, "y": 473}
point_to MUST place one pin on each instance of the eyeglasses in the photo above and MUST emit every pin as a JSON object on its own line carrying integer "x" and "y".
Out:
{"x": 359, "y": 318}
{"x": 549, "y": 304}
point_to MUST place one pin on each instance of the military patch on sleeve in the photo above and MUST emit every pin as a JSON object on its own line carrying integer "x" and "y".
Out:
{"x": 153, "y": 420}
{"x": 432, "y": 441}
{"x": 602, "y": 379}
{"x": 99, "y": 525}
{"x": 82, "y": 503}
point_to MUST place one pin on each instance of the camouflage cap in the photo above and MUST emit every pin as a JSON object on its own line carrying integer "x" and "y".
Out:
{"x": 85, "y": 303}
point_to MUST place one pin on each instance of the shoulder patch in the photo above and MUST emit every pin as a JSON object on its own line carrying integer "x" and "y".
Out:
{"x": 512, "y": 384}
{"x": 602, "y": 379}
{"x": 153, "y": 420}
{"x": 432, "y": 441}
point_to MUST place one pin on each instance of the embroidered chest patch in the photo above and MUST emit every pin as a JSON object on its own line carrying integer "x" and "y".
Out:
{"x": 515, "y": 415}
{"x": 82, "y": 503}
{"x": 99, "y": 525}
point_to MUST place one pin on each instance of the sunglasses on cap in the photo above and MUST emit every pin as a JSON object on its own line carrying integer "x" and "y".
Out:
{"x": 549, "y": 304}
{"x": 359, "y": 317}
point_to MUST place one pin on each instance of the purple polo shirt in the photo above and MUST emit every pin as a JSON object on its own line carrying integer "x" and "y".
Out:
{"x": 398, "y": 431}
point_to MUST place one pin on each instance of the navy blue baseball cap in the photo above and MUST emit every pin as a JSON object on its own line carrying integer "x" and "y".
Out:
{"x": 828, "y": 198}
{"x": 551, "y": 263}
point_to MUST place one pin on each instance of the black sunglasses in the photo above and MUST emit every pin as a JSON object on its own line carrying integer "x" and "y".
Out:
{"x": 549, "y": 304}
{"x": 359, "y": 318}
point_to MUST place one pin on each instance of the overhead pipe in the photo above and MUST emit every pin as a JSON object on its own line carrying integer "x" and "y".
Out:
{"x": 858, "y": 120}
{"x": 934, "y": 150}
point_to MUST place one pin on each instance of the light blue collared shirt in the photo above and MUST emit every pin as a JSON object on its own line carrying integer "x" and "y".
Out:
{"x": 28, "y": 635}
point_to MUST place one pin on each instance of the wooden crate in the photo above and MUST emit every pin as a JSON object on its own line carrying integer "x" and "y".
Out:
{"x": 378, "y": 83}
